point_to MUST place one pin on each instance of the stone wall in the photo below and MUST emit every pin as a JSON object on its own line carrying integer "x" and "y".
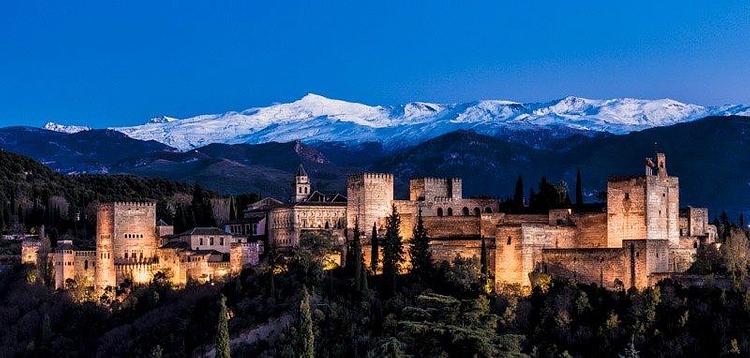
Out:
{"x": 455, "y": 226}
{"x": 244, "y": 254}
{"x": 626, "y": 210}
{"x": 662, "y": 213}
{"x": 602, "y": 266}
{"x": 134, "y": 231}
{"x": 431, "y": 189}
{"x": 447, "y": 250}
{"x": 105, "y": 258}
{"x": 591, "y": 229}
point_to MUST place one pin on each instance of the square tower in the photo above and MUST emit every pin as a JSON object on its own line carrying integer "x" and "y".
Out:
{"x": 370, "y": 196}
{"x": 432, "y": 189}
{"x": 645, "y": 206}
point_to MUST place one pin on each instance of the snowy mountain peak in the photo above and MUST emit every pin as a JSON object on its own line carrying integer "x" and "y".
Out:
{"x": 318, "y": 118}
{"x": 161, "y": 119}
{"x": 62, "y": 128}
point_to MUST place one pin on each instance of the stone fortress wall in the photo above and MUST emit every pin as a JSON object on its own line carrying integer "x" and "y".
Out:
{"x": 641, "y": 234}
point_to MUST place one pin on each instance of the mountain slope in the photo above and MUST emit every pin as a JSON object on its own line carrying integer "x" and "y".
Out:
{"x": 709, "y": 156}
{"x": 91, "y": 151}
{"x": 315, "y": 118}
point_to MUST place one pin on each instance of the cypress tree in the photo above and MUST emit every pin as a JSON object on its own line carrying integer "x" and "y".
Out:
{"x": 419, "y": 248}
{"x": 579, "y": 189}
{"x": 374, "y": 249}
{"x": 741, "y": 221}
{"x": 305, "y": 328}
{"x": 484, "y": 260}
{"x": 392, "y": 250}
{"x": 518, "y": 194}
{"x": 222, "y": 331}
{"x": 357, "y": 260}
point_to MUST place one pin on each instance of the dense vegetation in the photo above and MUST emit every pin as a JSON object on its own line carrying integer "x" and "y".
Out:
{"x": 33, "y": 195}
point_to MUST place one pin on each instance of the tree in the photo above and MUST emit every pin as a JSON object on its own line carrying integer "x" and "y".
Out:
{"x": 484, "y": 264}
{"x": 518, "y": 194}
{"x": 374, "y": 249}
{"x": 579, "y": 190}
{"x": 222, "y": 331}
{"x": 356, "y": 265}
{"x": 202, "y": 208}
{"x": 735, "y": 254}
{"x": 305, "y": 328}
{"x": 392, "y": 250}
{"x": 741, "y": 222}
{"x": 419, "y": 248}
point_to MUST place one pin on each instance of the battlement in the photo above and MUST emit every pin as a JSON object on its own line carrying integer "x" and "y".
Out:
{"x": 434, "y": 180}
{"x": 136, "y": 204}
{"x": 367, "y": 175}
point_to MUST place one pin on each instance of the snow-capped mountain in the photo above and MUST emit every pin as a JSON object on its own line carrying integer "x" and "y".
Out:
{"x": 317, "y": 118}
{"x": 52, "y": 126}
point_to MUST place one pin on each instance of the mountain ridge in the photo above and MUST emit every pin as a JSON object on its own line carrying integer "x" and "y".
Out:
{"x": 315, "y": 118}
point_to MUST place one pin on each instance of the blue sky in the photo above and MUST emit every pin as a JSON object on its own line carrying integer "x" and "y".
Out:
{"x": 105, "y": 63}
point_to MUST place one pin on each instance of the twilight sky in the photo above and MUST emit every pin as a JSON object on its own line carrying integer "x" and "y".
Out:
{"x": 102, "y": 63}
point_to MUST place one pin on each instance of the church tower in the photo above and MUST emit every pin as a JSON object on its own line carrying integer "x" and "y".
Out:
{"x": 301, "y": 185}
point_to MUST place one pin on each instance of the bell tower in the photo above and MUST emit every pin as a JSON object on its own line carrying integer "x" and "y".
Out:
{"x": 301, "y": 185}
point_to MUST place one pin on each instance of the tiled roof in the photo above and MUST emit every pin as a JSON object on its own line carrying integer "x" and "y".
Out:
{"x": 301, "y": 171}
{"x": 204, "y": 231}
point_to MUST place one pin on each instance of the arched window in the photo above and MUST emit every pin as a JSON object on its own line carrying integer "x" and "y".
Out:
{"x": 477, "y": 211}
{"x": 465, "y": 211}
{"x": 488, "y": 210}
{"x": 509, "y": 240}
{"x": 440, "y": 212}
{"x": 450, "y": 211}
{"x": 85, "y": 264}
{"x": 695, "y": 244}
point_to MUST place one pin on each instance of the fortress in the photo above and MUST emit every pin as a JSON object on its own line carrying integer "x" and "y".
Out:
{"x": 129, "y": 247}
{"x": 641, "y": 237}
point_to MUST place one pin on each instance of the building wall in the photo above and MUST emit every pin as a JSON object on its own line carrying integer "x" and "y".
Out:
{"x": 244, "y": 254}
{"x": 455, "y": 226}
{"x": 287, "y": 224}
{"x": 448, "y": 250}
{"x": 602, "y": 266}
{"x": 591, "y": 229}
{"x": 626, "y": 210}
{"x": 64, "y": 267}
{"x": 662, "y": 214}
{"x": 134, "y": 231}
{"x": 220, "y": 243}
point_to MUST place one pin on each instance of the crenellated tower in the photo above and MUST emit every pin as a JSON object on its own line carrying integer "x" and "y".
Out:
{"x": 105, "y": 258}
{"x": 369, "y": 199}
